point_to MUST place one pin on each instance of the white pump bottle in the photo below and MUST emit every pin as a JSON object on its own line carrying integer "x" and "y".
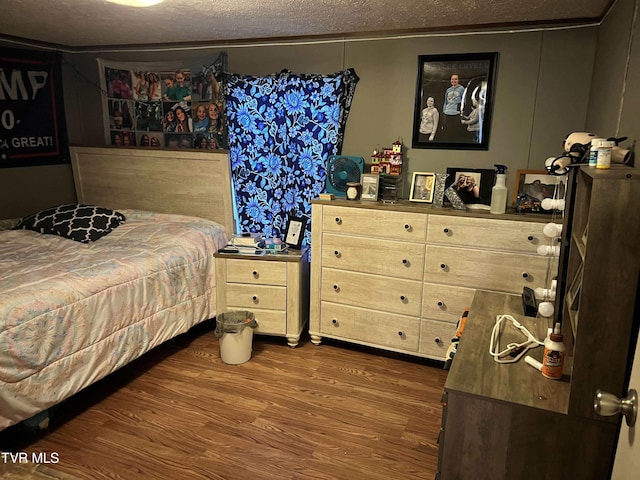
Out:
{"x": 499, "y": 191}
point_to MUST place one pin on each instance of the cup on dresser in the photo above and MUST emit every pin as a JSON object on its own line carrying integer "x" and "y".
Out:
{"x": 353, "y": 190}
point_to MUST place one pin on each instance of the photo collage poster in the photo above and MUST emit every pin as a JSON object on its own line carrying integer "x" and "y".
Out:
{"x": 151, "y": 106}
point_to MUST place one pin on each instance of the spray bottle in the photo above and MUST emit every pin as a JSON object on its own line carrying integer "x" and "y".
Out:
{"x": 499, "y": 191}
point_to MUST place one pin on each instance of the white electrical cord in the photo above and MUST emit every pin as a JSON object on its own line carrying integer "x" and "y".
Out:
{"x": 514, "y": 351}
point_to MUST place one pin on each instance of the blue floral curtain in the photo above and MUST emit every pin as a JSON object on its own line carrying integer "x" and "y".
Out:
{"x": 282, "y": 128}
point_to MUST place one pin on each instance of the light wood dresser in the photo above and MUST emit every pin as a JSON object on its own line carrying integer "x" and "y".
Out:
{"x": 398, "y": 277}
{"x": 274, "y": 287}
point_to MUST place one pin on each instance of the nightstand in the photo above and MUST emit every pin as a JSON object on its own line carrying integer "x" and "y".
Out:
{"x": 275, "y": 287}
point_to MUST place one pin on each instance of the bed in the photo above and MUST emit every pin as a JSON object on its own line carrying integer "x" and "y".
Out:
{"x": 71, "y": 312}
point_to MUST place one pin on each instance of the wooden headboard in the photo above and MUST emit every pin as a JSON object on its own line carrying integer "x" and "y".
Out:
{"x": 185, "y": 182}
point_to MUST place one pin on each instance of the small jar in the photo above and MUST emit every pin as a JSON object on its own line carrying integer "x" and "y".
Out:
{"x": 353, "y": 190}
{"x": 593, "y": 151}
{"x": 604, "y": 154}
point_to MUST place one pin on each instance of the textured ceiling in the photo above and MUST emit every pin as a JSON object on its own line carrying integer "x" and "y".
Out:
{"x": 78, "y": 24}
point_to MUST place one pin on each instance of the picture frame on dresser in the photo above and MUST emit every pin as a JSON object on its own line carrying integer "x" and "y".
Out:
{"x": 533, "y": 186}
{"x": 370, "y": 186}
{"x": 422, "y": 187}
{"x": 473, "y": 185}
{"x": 295, "y": 232}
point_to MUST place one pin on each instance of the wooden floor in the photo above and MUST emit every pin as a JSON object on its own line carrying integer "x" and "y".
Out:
{"x": 328, "y": 412}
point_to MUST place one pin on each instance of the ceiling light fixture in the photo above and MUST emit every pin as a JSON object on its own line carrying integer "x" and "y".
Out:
{"x": 136, "y": 3}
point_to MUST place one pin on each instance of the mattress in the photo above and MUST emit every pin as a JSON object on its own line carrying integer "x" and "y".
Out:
{"x": 71, "y": 313}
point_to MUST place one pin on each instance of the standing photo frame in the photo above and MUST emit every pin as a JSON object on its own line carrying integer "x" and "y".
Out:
{"x": 454, "y": 101}
{"x": 295, "y": 232}
{"x": 370, "y": 186}
{"x": 422, "y": 187}
{"x": 473, "y": 185}
{"x": 533, "y": 186}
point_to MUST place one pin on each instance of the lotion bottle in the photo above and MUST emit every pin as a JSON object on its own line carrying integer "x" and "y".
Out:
{"x": 553, "y": 356}
{"x": 499, "y": 191}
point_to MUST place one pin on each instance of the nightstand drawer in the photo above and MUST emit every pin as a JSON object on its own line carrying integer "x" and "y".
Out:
{"x": 506, "y": 272}
{"x": 393, "y": 258}
{"x": 270, "y": 322}
{"x": 435, "y": 338}
{"x": 372, "y": 291}
{"x": 375, "y": 223}
{"x": 370, "y": 326}
{"x": 445, "y": 302}
{"x": 256, "y": 272}
{"x": 255, "y": 296}
{"x": 486, "y": 233}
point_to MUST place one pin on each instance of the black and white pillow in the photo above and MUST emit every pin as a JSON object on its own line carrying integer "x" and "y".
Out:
{"x": 82, "y": 223}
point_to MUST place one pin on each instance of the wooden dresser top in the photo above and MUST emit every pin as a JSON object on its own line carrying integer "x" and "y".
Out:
{"x": 474, "y": 371}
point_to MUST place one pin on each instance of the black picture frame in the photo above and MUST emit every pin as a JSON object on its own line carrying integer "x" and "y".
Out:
{"x": 463, "y": 128}
{"x": 485, "y": 179}
{"x": 294, "y": 234}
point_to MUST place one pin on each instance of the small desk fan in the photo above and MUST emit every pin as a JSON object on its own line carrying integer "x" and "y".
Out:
{"x": 342, "y": 170}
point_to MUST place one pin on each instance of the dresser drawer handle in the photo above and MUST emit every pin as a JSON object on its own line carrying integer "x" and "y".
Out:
{"x": 437, "y": 340}
{"x": 336, "y": 287}
{"x": 405, "y": 262}
{"x": 255, "y": 273}
{"x": 443, "y": 266}
{"x": 334, "y": 321}
{"x": 401, "y": 333}
{"x": 336, "y": 253}
{"x": 441, "y": 304}
{"x": 446, "y": 230}
{"x": 525, "y": 275}
{"x": 254, "y": 298}
{"x": 531, "y": 238}
{"x": 338, "y": 220}
{"x": 407, "y": 227}
{"x": 403, "y": 298}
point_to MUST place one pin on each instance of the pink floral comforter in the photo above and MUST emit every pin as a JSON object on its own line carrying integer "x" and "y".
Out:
{"x": 71, "y": 313}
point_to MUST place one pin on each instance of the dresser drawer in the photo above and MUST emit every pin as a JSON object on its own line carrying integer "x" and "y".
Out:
{"x": 486, "y": 233}
{"x": 507, "y": 272}
{"x": 366, "y": 255}
{"x": 445, "y": 302}
{"x": 270, "y": 322}
{"x": 247, "y": 297}
{"x": 256, "y": 272}
{"x": 372, "y": 291}
{"x": 435, "y": 338}
{"x": 370, "y": 223}
{"x": 370, "y": 326}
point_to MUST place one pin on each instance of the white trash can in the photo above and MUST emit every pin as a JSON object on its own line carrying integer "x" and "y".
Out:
{"x": 235, "y": 331}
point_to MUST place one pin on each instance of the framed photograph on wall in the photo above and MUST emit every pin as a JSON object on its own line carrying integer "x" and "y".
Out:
{"x": 370, "y": 184}
{"x": 454, "y": 101}
{"x": 422, "y": 187}
{"x": 295, "y": 232}
{"x": 533, "y": 186}
{"x": 473, "y": 185}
